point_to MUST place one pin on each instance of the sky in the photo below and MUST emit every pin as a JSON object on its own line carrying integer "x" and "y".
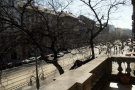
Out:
{"x": 122, "y": 18}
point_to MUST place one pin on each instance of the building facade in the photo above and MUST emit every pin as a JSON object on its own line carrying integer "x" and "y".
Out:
{"x": 71, "y": 31}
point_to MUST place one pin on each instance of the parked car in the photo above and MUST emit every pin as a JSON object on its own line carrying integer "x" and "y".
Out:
{"x": 9, "y": 65}
{"x": 3, "y": 66}
{"x": 65, "y": 52}
{"x": 29, "y": 60}
{"x": 61, "y": 54}
{"x": 25, "y": 61}
{"x": 58, "y": 55}
{"x": 51, "y": 56}
{"x": 17, "y": 63}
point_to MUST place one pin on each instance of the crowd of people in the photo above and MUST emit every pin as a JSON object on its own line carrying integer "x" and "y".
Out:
{"x": 115, "y": 48}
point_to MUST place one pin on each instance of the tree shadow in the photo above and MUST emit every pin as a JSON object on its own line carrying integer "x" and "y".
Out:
{"x": 79, "y": 63}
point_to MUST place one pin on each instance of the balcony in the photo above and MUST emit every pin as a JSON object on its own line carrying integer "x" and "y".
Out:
{"x": 103, "y": 73}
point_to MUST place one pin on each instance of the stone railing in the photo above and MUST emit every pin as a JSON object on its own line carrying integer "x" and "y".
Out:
{"x": 85, "y": 77}
{"x": 122, "y": 65}
{"x": 93, "y": 75}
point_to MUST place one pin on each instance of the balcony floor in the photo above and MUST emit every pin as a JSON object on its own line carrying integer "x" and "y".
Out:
{"x": 118, "y": 86}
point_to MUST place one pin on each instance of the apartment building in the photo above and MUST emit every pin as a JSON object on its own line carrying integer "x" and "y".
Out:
{"x": 70, "y": 33}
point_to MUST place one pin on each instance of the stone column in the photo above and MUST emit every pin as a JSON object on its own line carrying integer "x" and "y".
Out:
{"x": 133, "y": 24}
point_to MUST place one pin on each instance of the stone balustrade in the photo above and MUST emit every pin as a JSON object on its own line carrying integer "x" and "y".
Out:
{"x": 85, "y": 77}
{"x": 122, "y": 65}
{"x": 93, "y": 75}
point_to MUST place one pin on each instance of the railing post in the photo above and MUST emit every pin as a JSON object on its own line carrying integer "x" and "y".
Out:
{"x": 108, "y": 67}
{"x": 128, "y": 70}
{"x": 119, "y": 67}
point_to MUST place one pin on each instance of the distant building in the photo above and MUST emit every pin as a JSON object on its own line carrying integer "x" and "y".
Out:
{"x": 123, "y": 32}
{"x": 89, "y": 23}
{"x": 111, "y": 28}
{"x": 127, "y": 32}
{"x": 117, "y": 32}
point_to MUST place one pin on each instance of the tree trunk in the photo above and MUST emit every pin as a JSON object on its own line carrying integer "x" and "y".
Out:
{"x": 92, "y": 45}
{"x": 61, "y": 71}
{"x": 55, "y": 62}
{"x": 92, "y": 49}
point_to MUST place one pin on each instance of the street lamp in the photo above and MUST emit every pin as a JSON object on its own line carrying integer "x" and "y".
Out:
{"x": 37, "y": 78}
{"x": 34, "y": 54}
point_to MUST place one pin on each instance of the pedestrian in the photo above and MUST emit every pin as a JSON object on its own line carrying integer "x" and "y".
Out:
{"x": 116, "y": 50}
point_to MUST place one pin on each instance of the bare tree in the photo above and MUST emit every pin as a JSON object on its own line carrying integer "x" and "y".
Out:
{"x": 53, "y": 29}
{"x": 48, "y": 28}
{"x": 101, "y": 9}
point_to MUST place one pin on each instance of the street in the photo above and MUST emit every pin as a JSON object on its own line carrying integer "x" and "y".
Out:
{"x": 17, "y": 77}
